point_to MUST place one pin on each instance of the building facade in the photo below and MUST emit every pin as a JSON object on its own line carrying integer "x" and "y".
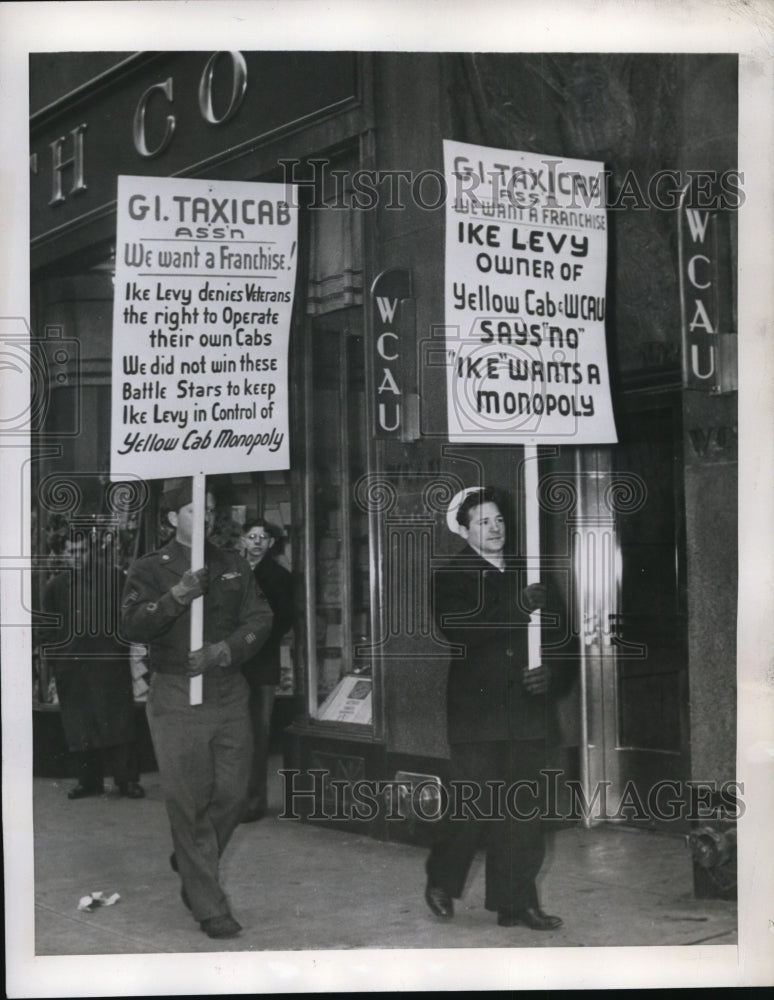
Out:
{"x": 638, "y": 539}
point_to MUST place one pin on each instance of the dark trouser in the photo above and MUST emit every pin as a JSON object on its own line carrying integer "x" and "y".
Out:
{"x": 261, "y": 705}
{"x": 514, "y": 846}
{"x": 121, "y": 761}
{"x": 203, "y": 752}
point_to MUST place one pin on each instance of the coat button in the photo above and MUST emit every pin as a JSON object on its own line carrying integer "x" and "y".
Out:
{"x": 509, "y": 652}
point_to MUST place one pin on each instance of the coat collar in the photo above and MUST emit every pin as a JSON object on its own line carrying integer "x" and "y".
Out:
{"x": 476, "y": 561}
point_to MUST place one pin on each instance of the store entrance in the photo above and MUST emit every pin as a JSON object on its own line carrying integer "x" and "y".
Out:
{"x": 635, "y": 623}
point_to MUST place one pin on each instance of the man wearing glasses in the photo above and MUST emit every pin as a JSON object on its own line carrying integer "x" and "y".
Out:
{"x": 260, "y": 545}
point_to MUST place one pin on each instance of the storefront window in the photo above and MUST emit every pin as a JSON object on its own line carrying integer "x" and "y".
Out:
{"x": 340, "y": 684}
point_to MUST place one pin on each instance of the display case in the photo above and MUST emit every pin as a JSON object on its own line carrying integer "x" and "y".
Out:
{"x": 337, "y": 530}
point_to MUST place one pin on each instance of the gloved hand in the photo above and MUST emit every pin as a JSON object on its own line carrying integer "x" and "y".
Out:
{"x": 214, "y": 654}
{"x": 537, "y": 679}
{"x": 192, "y": 584}
{"x": 534, "y": 596}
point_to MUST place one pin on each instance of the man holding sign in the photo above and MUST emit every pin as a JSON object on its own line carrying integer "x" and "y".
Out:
{"x": 203, "y": 750}
{"x": 496, "y": 722}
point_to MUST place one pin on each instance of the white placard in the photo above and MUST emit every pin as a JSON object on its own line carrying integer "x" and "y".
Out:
{"x": 526, "y": 266}
{"x": 204, "y": 283}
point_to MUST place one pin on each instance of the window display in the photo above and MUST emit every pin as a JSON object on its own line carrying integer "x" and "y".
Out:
{"x": 340, "y": 688}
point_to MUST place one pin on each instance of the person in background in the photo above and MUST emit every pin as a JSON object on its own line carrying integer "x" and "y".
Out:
{"x": 260, "y": 544}
{"x": 203, "y": 751}
{"x": 91, "y": 667}
{"x": 496, "y": 720}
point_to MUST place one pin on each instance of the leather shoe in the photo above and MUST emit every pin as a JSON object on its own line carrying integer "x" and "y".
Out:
{"x": 532, "y": 917}
{"x": 223, "y": 926}
{"x": 439, "y": 901}
{"x": 131, "y": 790}
{"x": 84, "y": 791}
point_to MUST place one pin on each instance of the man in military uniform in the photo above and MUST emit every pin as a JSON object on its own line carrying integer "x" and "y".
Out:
{"x": 203, "y": 751}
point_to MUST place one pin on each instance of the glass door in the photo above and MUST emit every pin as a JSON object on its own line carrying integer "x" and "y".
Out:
{"x": 631, "y": 583}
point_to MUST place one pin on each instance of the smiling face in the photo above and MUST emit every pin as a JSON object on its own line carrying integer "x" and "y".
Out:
{"x": 485, "y": 531}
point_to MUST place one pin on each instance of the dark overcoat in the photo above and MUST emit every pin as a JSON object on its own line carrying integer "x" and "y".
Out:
{"x": 276, "y": 583}
{"x": 479, "y": 609}
{"x": 89, "y": 660}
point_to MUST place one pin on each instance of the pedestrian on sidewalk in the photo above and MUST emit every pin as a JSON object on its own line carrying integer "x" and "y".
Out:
{"x": 90, "y": 665}
{"x": 496, "y": 720}
{"x": 260, "y": 544}
{"x": 203, "y": 751}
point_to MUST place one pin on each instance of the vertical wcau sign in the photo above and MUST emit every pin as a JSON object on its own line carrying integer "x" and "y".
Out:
{"x": 709, "y": 339}
{"x": 390, "y": 307}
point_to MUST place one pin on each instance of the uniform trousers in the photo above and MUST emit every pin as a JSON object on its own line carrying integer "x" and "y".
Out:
{"x": 203, "y": 752}
{"x": 513, "y": 837}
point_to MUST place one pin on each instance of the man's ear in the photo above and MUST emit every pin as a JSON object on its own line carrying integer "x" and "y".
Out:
{"x": 463, "y": 531}
{"x": 272, "y": 540}
{"x": 172, "y": 518}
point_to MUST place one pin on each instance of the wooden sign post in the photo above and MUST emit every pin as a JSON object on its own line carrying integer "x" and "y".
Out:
{"x": 199, "y": 500}
{"x": 532, "y": 530}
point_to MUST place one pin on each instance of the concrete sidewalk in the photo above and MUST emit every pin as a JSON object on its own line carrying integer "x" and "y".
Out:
{"x": 299, "y": 886}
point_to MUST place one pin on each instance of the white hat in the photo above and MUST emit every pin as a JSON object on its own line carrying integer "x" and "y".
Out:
{"x": 451, "y": 514}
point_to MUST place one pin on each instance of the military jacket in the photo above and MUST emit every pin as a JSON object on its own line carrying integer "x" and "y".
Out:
{"x": 235, "y": 611}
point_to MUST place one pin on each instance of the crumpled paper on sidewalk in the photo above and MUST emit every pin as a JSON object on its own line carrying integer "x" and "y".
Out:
{"x": 96, "y": 899}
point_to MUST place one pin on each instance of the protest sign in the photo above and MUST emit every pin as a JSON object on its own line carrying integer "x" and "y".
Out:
{"x": 204, "y": 282}
{"x": 526, "y": 266}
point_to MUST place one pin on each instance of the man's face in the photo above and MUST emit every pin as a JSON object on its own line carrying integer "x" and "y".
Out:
{"x": 182, "y": 520}
{"x": 485, "y": 532}
{"x": 257, "y": 542}
{"x": 75, "y": 551}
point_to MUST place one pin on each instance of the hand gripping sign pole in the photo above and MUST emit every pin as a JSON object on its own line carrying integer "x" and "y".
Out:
{"x": 532, "y": 538}
{"x": 199, "y": 500}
